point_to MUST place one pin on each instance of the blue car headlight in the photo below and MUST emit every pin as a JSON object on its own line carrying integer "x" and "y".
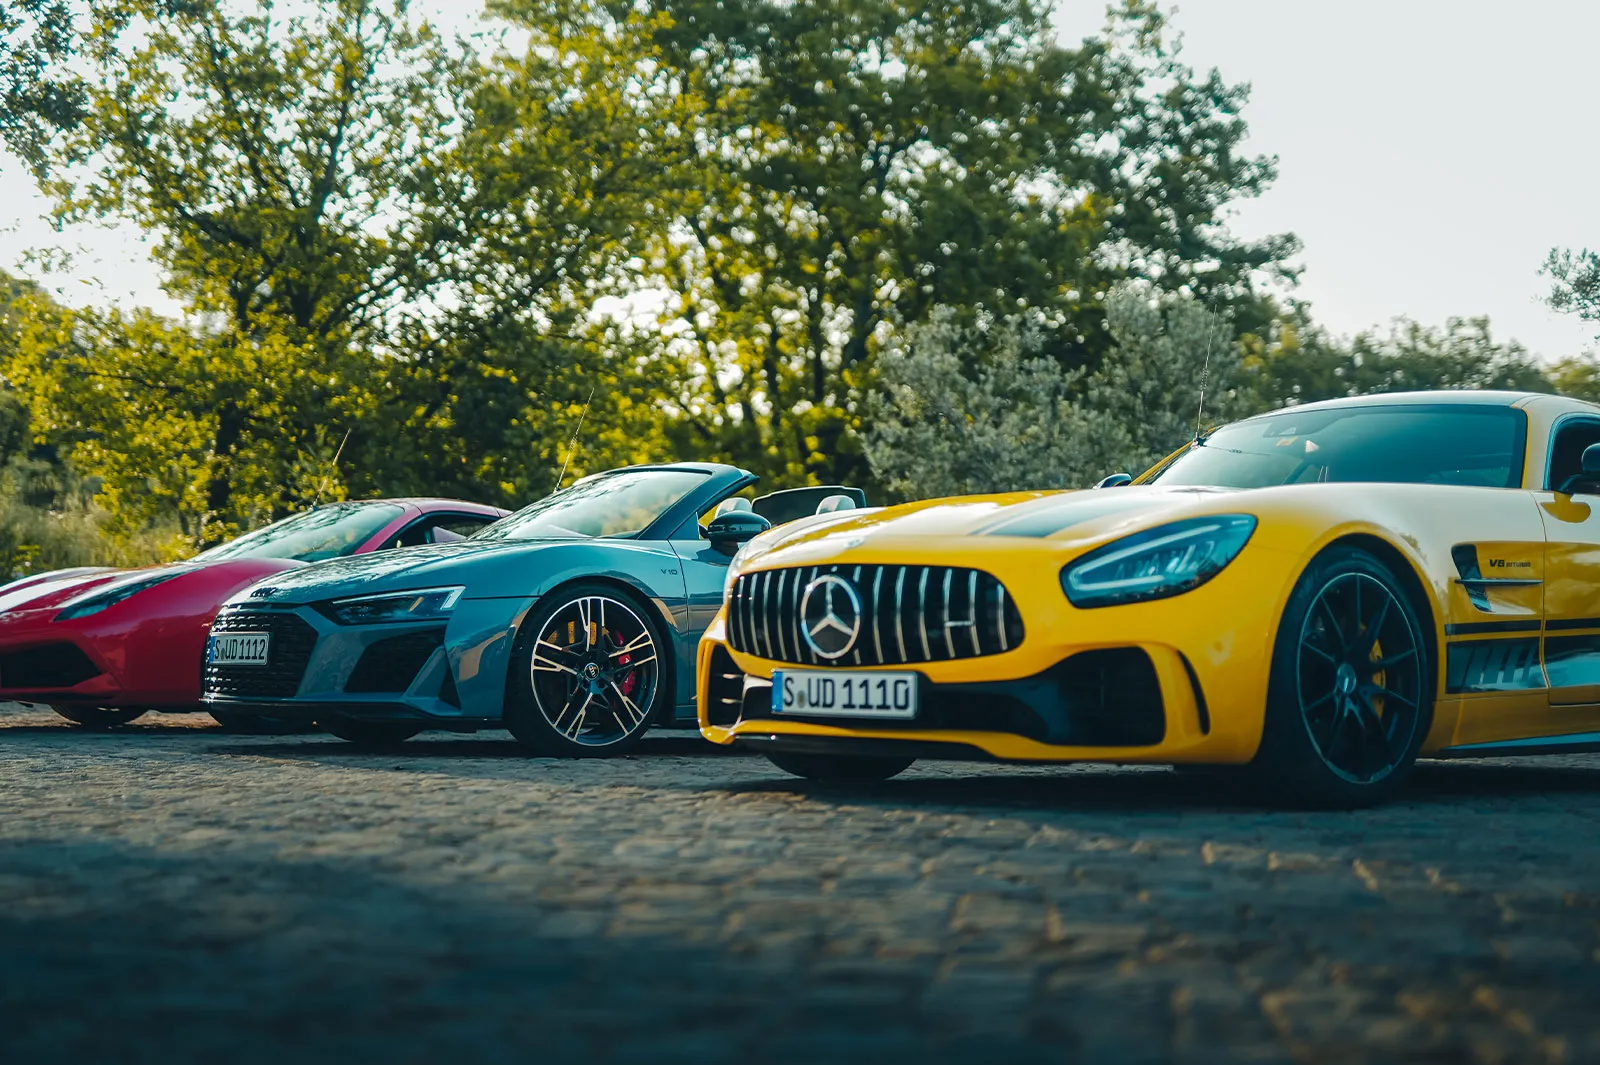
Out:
{"x": 420, "y": 604}
{"x": 102, "y": 598}
{"x": 1165, "y": 561}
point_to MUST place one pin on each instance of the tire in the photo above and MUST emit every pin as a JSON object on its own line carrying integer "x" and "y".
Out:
{"x": 257, "y": 725}
{"x": 1350, "y": 698}
{"x": 588, "y": 674}
{"x": 98, "y": 717}
{"x": 370, "y": 735}
{"x": 841, "y": 769}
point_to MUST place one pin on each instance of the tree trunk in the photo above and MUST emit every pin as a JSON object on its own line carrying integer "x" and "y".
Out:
{"x": 230, "y": 429}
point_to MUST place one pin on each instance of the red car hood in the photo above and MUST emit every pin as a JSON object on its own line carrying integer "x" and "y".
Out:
{"x": 56, "y": 587}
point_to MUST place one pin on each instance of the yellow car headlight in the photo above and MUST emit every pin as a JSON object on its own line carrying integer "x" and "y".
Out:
{"x": 1165, "y": 561}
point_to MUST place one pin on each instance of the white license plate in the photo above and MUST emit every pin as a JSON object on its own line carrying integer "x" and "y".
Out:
{"x": 239, "y": 649}
{"x": 844, "y": 693}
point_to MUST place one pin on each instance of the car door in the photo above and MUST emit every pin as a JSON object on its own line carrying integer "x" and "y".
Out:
{"x": 1572, "y": 578}
{"x": 701, "y": 568}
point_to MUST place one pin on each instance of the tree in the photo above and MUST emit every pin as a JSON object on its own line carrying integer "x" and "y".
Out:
{"x": 275, "y": 160}
{"x": 1303, "y": 365}
{"x": 968, "y": 408}
{"x": 375, "y": 232}
{"x": 980, "y": 408}
{"x": 1576, "y": 282}
{"x": 861, "y": 162}
{"x": 38, "y": 96}
{"x": 553, "y": 185}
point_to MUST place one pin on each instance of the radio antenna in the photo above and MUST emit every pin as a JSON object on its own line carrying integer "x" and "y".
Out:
{"x": 574, "y": 444}
{"x": 1205, "y": 374}
{"x": 332, "y": 466}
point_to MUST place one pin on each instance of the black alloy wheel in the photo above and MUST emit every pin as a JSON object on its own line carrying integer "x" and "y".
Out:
{"x": 1350, "y": 698}
{"x": 1359, "y": 677}
{"x": 587, "y": 676}
{"x": 99, "y": 717}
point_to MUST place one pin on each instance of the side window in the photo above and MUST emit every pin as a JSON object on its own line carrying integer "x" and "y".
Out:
{"x": 438, "y": 529}
{"x": 1566, "y": 450}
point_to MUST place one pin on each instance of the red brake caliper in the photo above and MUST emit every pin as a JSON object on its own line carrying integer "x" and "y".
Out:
{"x": 631, "y": 681}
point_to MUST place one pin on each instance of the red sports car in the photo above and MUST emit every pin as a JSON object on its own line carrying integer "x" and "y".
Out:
{"x": 102, "y": 646}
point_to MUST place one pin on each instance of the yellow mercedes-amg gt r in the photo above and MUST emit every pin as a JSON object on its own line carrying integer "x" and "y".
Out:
{"x": 1319, "y": 594}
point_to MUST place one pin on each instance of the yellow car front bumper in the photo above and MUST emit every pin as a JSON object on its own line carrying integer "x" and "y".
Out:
{"x": 1211, "y": 649}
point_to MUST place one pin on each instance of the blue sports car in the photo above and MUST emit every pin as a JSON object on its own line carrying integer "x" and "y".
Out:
{"x": 573, "y": 622}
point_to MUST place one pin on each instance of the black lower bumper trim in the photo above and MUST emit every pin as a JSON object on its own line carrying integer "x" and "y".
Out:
{"x": 355, "y": 711}
{"x": 1101, "y": 698}
{"x": 849, "y": 746}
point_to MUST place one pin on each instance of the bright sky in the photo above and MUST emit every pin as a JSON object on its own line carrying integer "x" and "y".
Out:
{"x": 1430, "y": 155}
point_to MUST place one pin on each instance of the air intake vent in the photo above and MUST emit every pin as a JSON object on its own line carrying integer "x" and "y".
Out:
{"x": 55, "y": 665}
{"x": 908, "y": 614}
{"x": 725, "y": 691}
{"x": 392, "y": 665}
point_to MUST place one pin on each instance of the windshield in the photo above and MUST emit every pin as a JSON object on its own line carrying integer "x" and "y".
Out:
{"x": 1456, "y": 444}
{"x": 617, "y": 504}
{"x": 326, "y": 532}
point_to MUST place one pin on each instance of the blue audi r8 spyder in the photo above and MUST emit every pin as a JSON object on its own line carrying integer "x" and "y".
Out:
{"x": 573, "y": 622}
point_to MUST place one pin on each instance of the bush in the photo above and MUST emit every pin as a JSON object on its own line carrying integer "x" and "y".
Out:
{"x": 73, "y": 532}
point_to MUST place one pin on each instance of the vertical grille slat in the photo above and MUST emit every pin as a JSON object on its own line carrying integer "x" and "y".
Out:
{"x": 777, "y": 609}
{"x": 877, "y": 612}
{"x": 856, "y": 580}
{"x": 1000, "y": 613}
{"x": 949, "y": 642}
{"x": 764, "y": 615}
{"x": 972, "y": 610}
{"x": 766, "y": 628}
{"x": 900, "y": 614}
{"x": 922, "y": 613}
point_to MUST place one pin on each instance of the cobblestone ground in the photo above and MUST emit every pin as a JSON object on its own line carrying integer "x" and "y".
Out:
{"x": 171, "y": 893}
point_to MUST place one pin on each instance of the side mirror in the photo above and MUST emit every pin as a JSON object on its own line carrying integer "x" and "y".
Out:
{"x": 1116, "y": 480}
{"x": 727, "y": 531}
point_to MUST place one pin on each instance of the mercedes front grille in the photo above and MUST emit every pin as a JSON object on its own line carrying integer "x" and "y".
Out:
{"x": 909, "y": 614}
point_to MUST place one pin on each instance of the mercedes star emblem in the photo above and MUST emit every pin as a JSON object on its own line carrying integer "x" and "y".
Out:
{"x": 830, "y": 616}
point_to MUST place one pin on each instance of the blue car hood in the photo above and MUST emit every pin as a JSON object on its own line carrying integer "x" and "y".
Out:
{"x": 467, "y": 562}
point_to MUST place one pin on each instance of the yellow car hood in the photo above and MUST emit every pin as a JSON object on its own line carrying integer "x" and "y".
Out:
{"x": 1050, "y": 516}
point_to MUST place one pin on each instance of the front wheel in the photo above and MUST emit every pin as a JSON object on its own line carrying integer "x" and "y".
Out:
{"x": 370, "y": 735}
{"x": 840, "y": 769}
{"x": 586, "y": 673}
{"x": 1350, "y": 698}
{"x": 98, "y": 717}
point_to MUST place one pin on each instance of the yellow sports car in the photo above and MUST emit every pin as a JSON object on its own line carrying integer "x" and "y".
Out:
{"x": 1319, "y": 595}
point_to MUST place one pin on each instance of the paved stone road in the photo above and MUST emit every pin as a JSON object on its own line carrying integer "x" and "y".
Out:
{"x": 169, "y": 893}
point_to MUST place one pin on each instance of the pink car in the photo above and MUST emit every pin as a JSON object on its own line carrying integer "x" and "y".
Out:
{"x": 102, "y": 646}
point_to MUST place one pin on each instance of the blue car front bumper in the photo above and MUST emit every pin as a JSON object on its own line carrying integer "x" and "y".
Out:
{"x": 450, "y": 674}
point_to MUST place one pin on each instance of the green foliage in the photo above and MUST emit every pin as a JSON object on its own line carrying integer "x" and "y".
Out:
{"x": 1303, "y": 366}
{"x": 861, "y": 162}
{"x": 553, "y": 184}
{"x": 954, "y": 398}
{"x": 979, "y": 408}
{"x": 840, "y": 240}
{"x": 37, "y": 97}
{"x": 1575, "y": 285}
{"x": 278, "y": 161}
